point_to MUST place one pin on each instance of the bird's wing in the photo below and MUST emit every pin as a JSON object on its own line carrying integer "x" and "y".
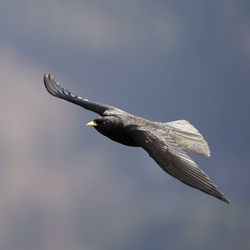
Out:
{"x": 54, "y": 88}
{"x": 172, "y": 159}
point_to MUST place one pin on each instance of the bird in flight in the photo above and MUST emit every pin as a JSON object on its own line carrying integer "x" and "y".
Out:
{"x": 167, "y": 143}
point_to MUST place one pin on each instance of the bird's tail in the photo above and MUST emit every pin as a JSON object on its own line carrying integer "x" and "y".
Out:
{"x": 188, "y": 137}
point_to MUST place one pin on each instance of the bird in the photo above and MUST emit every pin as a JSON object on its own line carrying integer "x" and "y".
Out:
{"x": 168, "y": 143}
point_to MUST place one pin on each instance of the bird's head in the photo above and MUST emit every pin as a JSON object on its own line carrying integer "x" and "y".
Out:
{"x": 105, "y": 124}
{"x": 114, "y": 127}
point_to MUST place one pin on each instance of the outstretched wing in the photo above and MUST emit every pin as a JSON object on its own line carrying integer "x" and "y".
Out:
{"x": 172, "y": 159}
{"x": 54, "y": 88}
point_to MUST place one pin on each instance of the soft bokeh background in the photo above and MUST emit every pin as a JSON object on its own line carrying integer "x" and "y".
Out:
{"x": 62, "y": 185}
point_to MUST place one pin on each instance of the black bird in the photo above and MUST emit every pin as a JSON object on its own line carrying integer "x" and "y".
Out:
{"x": 166, "y": 143}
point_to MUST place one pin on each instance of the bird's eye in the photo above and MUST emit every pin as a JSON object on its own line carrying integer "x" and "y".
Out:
{"x": 100, "y": 122}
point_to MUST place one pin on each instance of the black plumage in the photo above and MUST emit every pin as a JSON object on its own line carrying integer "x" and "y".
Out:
{"x": 166, "y": 143}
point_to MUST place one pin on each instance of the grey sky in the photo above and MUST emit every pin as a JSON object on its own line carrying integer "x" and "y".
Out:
{"x": 64, "y": 186}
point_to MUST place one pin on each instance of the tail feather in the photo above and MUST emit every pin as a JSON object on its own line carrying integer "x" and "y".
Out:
{"x": 188, "y": 137}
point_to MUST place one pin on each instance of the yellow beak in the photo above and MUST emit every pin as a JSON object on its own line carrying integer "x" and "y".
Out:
{"x": 92, "y": 123}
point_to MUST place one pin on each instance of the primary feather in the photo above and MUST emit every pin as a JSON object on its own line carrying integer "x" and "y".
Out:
{"x": 54, "y": 88}
{"x": 170, "y": 156}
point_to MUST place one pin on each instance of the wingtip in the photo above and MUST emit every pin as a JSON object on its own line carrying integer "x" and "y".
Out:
{"x": 49, "y": 83}
{"x": 226, "y": 200}
{"x": 47, "y": 77}
{"x": 223, "y": 198}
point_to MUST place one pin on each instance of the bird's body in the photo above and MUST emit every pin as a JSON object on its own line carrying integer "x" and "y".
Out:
{"x": 166, "y": 143}
{"x": 117, "y": 128}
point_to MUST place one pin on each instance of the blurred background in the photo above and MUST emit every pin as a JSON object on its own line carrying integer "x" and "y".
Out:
{"x": 63, "y": 185}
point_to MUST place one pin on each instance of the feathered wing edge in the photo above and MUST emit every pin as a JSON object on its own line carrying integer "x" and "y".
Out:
{"x": 54, "y": 88}
{"x": 172, "y": 159}
{"x": 187, "y": 171}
